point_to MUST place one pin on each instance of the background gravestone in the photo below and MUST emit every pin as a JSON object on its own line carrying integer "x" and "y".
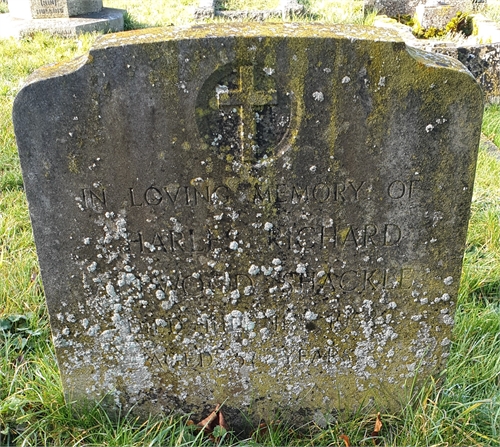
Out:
{"x": 63, "y": 17}
{"x": 265, "y": 216}
{"x": 393, "y": 8}
{"x": 44, "y": 9}
{"x": 284, "y": 9}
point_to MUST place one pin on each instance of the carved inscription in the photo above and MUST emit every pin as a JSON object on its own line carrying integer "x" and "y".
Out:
{"x": 175, "y": 195}
{"x": 338, "y": 286}
{"x": 331, "y": 280}
{"x": 222, "y": 194}
{"x": 93, "y": 199}
{"x": 52, "y": 11}
{"x": 193, "y": 360}
{"x": 50, "y": 8}
{"x": 196, "y": 240}
{"x": 205, "y": 192}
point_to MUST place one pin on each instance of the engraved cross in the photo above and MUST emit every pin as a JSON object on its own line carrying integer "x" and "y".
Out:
{"x": 246, "y": 98}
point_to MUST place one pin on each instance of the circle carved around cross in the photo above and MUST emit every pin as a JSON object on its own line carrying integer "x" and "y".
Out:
{"x": 241, "y": 111}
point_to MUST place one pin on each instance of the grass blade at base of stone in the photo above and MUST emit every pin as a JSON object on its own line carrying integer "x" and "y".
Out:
{"x": 92, "y": 426}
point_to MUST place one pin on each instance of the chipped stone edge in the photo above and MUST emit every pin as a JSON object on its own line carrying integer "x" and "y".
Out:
{"x": 57, "y": 69}
{"x": 437, "y": 60}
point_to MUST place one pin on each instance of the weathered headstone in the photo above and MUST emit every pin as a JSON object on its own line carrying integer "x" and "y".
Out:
{"x": 266, "y": 216}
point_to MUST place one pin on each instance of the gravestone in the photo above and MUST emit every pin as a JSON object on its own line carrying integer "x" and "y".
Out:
{"x": 268, "y": 216}
{"x": 63, "y": 17}
{"x": 436, "y": 14}
{"x": 284, "y": 9}
{"x": 46, "y": 9}
{"x": 394, "y": 8}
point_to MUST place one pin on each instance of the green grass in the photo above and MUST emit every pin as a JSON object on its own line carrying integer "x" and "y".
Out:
{"x": 156, "y": 13}
{"x": 337, "y": 11}
{"x": 242, "y": 4}
{"x": 180, "y": 12}
{"x": 460, "y": 408}
{"x": 491, "y": 124}
{"x": 492, "y": 10}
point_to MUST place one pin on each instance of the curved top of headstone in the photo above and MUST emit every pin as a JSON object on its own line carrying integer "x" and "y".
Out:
{"x": 230, "y": 31}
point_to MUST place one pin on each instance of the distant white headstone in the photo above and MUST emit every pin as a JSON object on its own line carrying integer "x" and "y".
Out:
{"x": 63, "y": 17}
{"x": 47, "y": 9}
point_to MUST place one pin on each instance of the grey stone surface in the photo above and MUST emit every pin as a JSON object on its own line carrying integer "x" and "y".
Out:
{"x": 50, "y": 9}
{"x": 286, "y": 8}
{"x": 436, "y": 15}
{"x": 267, "y": 216}
{"x": 491, "y": 147}
{"x": 205, "y": 9}
{"x": 393, "y": 8}
{"x": 106, "y": 20}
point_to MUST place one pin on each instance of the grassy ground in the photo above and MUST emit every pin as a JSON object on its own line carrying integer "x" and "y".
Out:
{"x": 180, "y": 12}
{"x": 462, "y": 408}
